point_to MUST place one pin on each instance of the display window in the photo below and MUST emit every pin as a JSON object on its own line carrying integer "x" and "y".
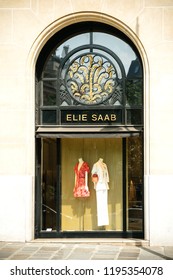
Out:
{"x": 82, "y": 185}
{"x": 89, "y": 135}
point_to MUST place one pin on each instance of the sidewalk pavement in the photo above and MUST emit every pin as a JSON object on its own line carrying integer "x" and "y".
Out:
{"x": 83, "y": 250}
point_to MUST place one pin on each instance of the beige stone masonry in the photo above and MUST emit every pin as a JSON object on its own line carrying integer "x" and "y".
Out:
{"x": 15, "y": 4}
{"x": 26, "y": 26}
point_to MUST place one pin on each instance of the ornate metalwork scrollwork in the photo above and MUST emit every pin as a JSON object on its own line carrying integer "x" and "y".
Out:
{"x": 91, "y": 79}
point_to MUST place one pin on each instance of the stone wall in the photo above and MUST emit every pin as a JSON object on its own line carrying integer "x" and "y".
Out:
{"x": 25, "y": 26}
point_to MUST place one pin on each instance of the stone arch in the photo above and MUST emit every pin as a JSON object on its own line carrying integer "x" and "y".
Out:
{"x": 65, "y": 21}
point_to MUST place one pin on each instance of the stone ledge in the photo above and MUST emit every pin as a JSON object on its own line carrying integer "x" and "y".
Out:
{"x": 114, "y": 241}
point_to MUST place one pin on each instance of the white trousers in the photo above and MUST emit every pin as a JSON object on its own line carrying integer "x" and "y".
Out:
{"x": 102, "y": 207}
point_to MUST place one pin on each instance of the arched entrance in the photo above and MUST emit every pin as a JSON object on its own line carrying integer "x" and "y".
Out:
{"x": 89, "y": 106}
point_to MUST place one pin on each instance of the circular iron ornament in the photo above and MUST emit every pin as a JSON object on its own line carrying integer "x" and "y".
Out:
{"x": 91, "y": 79}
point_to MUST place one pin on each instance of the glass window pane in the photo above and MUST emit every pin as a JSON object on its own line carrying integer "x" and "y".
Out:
{"x": 82, "y": 213}
{"x": 135, "y": 184}
{"x": 52, "y": 67}
{"x": 134, "y": 116}
{"x": 49, "y": 93}
{"x": 135, "y": 70}
{"x": 118, "y": 46}
{"x": 71, "y": 44}
{"x": 49, "y": 117}
{"x": 134, "y": 90}
{"x": 49, "y": 182}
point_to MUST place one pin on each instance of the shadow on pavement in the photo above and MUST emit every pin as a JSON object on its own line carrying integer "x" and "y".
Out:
{"x": 156, "y": 253}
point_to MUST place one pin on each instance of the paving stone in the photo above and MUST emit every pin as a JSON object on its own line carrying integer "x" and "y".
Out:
{"x": 126, "y": 258}
{"x": 128, "y": 254}
{"x": 63, "y": 254}
{"x": 168, "y": 251}
{"x": 130, "y": 250}
{"x": 76, "y": 257}
{"x": 38, "y": 258}
{"x": 2, "y": 243}
{"x": 49, "y": 249}
{"x": 30, "y": 250}
{"x": 8, "y": 250}
{"x": 15, "y": 245}
{"x": 44, "y": 254}
{"x": 103, "y": 257}
{"x": 20, "y": 257}
{"x": 153, "y": 253}
{"x": 4, "y": 255}
{"x": 80, "y": 255}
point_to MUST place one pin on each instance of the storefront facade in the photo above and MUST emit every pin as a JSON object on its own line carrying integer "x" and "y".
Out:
{"x": 89, "y": 107}
{"x": 85, "y": 150}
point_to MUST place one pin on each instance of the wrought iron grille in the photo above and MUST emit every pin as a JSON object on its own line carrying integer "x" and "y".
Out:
{"x": 91, "y": 79}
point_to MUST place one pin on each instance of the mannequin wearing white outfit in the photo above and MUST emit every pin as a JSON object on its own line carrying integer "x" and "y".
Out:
{"x": 101, "y": 179}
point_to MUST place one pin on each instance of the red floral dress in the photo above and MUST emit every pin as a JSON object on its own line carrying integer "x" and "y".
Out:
{"x": 80, "y": 189}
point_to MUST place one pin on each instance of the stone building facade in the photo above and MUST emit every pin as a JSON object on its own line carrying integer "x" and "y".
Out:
{"x": 26, "y": 28}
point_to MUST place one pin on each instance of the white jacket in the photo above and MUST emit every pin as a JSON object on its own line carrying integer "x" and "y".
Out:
{"x": 100, "y": 168}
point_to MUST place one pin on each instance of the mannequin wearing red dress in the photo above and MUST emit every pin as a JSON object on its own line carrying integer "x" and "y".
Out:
{"x": 81, "y": 170}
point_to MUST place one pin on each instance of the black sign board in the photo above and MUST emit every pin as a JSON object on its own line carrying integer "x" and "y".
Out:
{"x": 91, "y": 117}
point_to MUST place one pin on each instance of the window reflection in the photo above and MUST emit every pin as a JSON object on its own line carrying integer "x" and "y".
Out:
{"x": 71, "y": 44}
{"x": 49, "y": 117}
{"x": 49, "y": 93}
{"x": 52, "y": 66}
{"x": 48, "y": 179}
{"x": 118, "y": 46}
{"x": 135, "y": 187}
